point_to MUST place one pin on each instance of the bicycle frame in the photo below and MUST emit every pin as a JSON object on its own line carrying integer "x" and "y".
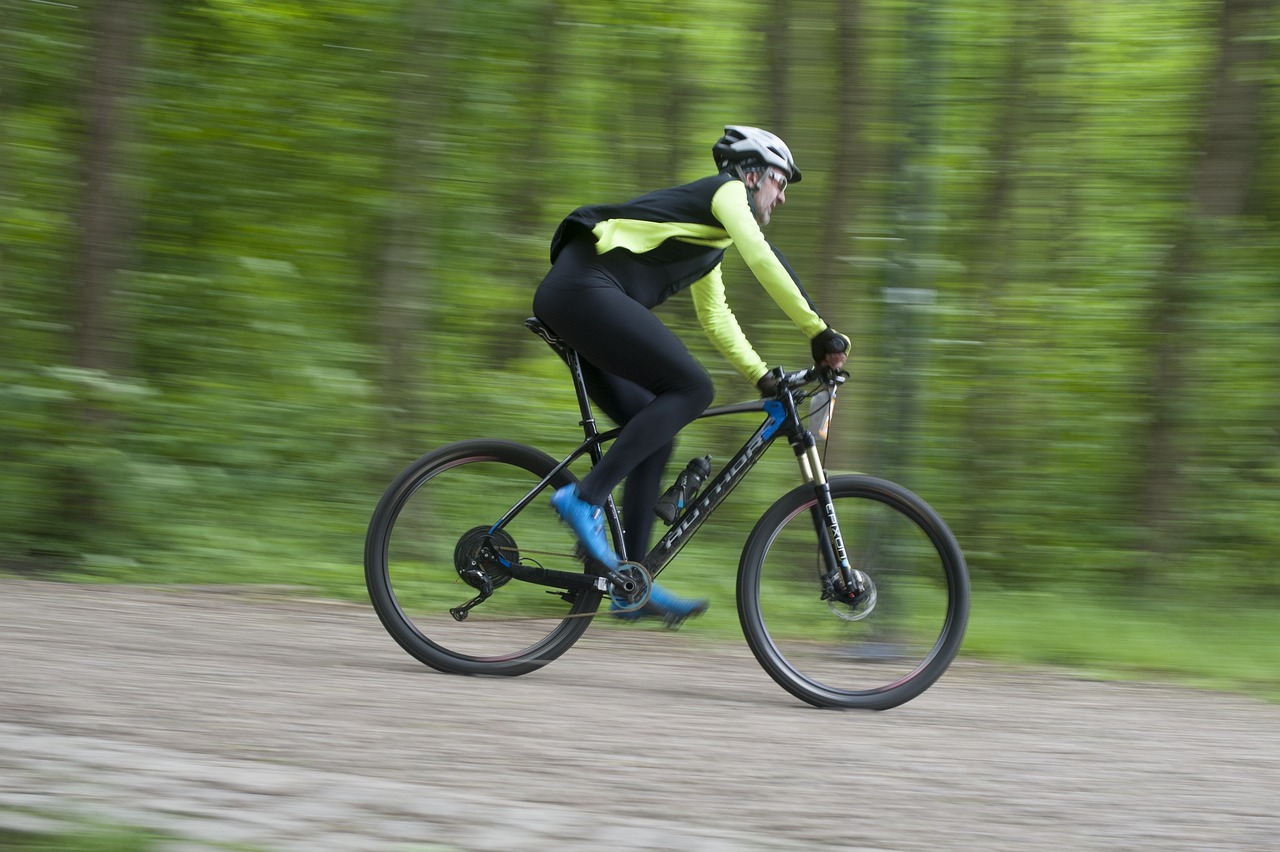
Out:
{"x": 785, "y": 584}
{"x": 782, "y": 419}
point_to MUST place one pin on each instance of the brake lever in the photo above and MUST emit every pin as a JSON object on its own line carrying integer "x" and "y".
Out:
{"x": 830, "y": 376}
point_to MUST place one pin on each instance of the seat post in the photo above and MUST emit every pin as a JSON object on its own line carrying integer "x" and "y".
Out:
{"x": 588, "y": 422}
{"x": 571, "y": 359}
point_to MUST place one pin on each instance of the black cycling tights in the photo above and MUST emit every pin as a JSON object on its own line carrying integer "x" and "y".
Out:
{"x": 639, "y": 374}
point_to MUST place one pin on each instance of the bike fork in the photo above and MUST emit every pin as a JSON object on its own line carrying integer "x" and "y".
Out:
{"x": 839, "y": 580}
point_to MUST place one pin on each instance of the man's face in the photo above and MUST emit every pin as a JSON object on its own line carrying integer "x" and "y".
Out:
{"x": 771, "y": 191}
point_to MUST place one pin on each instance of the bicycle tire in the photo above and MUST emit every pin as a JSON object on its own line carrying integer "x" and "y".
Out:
{"x": 432, "y": 519}
{"x": 897, "y": 648}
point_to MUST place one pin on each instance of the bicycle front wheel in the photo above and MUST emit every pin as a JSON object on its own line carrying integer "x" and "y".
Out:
{"x": 430, "y": 549}
{"x": 894, "y": 644}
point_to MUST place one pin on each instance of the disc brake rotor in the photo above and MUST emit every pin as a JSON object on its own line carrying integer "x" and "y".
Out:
{"x": 862, "y": 605}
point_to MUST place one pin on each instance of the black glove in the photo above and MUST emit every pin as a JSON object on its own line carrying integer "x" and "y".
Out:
{"x": 768, "y": 385}
{"x": 829, "y": 342}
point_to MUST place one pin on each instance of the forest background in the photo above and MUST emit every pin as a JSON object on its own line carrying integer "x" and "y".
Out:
{"x": 257, "y": 256}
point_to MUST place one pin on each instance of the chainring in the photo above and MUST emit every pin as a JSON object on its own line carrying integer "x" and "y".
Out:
{"x": 644, "y": 587}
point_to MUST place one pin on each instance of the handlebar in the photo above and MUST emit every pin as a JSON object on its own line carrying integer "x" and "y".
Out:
{"x": 819, "y": 373}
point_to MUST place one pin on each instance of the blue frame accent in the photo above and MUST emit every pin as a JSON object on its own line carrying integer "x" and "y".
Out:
{"x": 777, "y": 416}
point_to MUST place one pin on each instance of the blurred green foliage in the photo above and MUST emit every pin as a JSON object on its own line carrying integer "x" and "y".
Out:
{"x": 83, "y": 838}
{"x": 329, "y": 219}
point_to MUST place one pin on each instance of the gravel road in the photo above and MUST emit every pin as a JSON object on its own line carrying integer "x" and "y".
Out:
{"x": 230, "y": 717}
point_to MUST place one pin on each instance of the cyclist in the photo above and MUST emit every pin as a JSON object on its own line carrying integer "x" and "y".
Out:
{"x": 611, "y": 265}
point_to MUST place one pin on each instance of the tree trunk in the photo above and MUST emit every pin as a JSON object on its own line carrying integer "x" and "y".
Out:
{"x": 679, "y": 93}
{"x": 996, "y": 245}
{"x": 106, "y": 217}
{"x": 404, "y": 277}
{"x": 907, "y": 292}
{"x": 848, "y": 150}
{"x": 831, "y": 290}
{"x": 1218, "y": 188}
{"x": 106, "y": 225}
{"x": 8, "y": 87}
{"x": 777, "y": 87}
{"x": 523, "y": 265}
{"x": 530, "y": 159}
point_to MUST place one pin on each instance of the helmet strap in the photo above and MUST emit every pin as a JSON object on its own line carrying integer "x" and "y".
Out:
{"x": 751, "y": 190}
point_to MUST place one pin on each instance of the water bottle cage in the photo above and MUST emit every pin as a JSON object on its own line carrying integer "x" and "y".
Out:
{"x": 673, "y": 501}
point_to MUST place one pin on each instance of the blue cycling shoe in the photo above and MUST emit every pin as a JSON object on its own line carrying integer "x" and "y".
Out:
{"x": 664, "y": 604}
{"x": 587, "y": 523}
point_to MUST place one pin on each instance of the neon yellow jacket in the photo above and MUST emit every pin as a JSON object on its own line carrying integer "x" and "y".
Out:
{"x": 673, "y": 239}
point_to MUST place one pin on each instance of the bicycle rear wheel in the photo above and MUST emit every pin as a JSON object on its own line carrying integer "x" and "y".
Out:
{"x": 431, "y": 533}
{"x": 875, "y": 655}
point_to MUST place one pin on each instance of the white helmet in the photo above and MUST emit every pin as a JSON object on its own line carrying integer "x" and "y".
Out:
{"x": 750, "y": 147}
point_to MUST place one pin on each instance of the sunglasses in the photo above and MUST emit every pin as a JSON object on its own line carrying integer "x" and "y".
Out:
{"x": 780, "y": 179}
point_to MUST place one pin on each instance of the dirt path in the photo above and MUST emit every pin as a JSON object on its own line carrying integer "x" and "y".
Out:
{"x": 293, "y": 725}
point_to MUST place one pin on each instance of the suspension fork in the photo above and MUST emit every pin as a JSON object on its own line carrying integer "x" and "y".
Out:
{"x": 839, "y": 580}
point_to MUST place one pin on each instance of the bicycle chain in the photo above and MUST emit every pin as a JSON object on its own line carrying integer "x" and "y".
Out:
{"x": 566, "y": 616}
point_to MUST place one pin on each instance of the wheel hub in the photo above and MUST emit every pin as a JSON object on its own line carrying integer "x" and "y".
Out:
{"x": 481, "y": 557}
{"x": 855, "y": 605}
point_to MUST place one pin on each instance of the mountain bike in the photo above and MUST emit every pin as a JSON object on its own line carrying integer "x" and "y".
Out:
{"x": 851, "y": 591}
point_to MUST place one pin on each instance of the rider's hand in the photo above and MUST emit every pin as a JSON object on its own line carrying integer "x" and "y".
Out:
{"x": 767, "y": 385}
{"x": 830, "y": 349}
